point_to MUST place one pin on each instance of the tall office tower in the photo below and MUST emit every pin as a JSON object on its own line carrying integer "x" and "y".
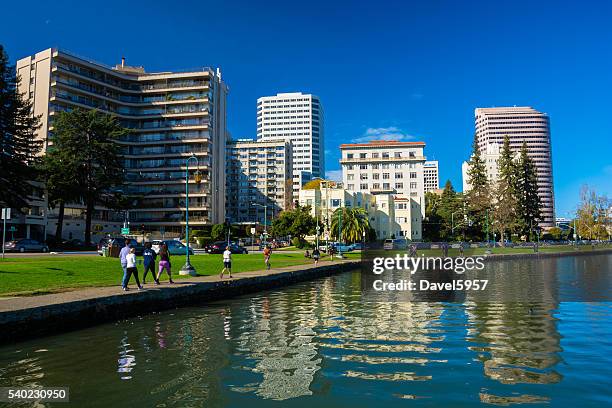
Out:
{"x": 259, "y": 180}
{"x": 522, "y": 124}
{"x": 389, "y": 167}
{"x": 431, "y": 179}
{"x": 171, "y": 116}
{"x": 298, "y": 118}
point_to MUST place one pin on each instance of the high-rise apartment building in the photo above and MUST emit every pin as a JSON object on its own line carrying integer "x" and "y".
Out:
{"x": 259, "y": 180}
{"x": 298, "y": 118}
{"x": 171, "y": 116}
{"x": 389, "y": 167}
{"x": 431, "y": 179}
{"x": 522, "y": 124}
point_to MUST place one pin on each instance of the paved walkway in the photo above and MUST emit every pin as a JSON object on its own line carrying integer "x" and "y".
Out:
{"x": 18, "y": 303}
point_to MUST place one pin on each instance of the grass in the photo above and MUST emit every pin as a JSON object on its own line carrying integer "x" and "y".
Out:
{"x": 48, "y": 274}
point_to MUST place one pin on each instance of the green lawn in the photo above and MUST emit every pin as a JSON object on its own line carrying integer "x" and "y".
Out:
{"x": 46, "y": 274}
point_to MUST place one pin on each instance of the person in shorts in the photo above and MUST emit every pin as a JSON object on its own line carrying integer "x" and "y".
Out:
{"x": 316, "y": 255}
{"x": 227, "y": 262}
{"x": 267, "y": 252}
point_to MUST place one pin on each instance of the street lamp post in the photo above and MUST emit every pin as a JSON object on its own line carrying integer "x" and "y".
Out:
{"x": 188, "y": 269}
{"x": 265, "y": 207}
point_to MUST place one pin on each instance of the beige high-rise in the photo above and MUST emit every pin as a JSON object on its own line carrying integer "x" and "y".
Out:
{"x": 171, "y": 115}
{"x": 521, "y": 124}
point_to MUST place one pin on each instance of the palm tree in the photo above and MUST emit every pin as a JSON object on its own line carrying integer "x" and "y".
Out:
{"x": 354, "y": 222}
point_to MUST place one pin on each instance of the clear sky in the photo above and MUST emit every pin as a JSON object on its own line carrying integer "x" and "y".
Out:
{"x": 411, "y": 69}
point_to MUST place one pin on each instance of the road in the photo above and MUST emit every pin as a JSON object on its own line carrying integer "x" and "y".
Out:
{"x": 66, "y": 253}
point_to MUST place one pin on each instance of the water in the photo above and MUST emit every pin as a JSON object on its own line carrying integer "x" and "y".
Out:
{"x": 320, "y": 344}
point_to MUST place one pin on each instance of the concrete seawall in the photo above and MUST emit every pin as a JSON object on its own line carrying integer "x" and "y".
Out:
{"x": 30, "y": 317}
{"x": 505, "y": 257}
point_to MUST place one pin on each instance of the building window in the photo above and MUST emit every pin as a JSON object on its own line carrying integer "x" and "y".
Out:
{"x": 385, "y": 176}
{"x": 413, "y": 175}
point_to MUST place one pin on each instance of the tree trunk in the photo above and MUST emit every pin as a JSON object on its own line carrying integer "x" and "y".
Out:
{"x": 88, "y": 217}
{"x": 60, "y": 222}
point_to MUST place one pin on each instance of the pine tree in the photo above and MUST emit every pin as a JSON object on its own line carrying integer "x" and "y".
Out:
{"x": 528, "y": 200}
{"x": 449, "y": 211}
{"x": 504, "y": 216}
{"x": 479, "y": 196}
{"x": 85, "y": 140}
{"x": 18, "y": 144}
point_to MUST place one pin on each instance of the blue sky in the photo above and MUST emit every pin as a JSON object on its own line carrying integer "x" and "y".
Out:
{"x": 415, "y": 70}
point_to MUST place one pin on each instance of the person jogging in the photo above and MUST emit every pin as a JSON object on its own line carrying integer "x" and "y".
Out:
{"x": 316, "y": 255}
{"x": 227, "y": 262}
{"x": 267, "y": 252}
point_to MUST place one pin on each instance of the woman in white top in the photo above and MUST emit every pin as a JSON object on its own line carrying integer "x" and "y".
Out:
{"x": 227, "y": 262}
{"x": 131, "y": 269}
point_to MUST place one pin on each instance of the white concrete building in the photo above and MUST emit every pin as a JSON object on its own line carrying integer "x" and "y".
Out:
{"x": 171, "y": 115}
{"x": 490, "y": 156}
{"x": 431, "y": 178}
{"x": 522, "y": 124}
{"x": 298, "y": 118}
{"x": 379, "y": 207}
{"x": 259, "y": 180}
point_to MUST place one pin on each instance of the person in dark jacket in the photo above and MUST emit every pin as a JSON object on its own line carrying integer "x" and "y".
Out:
{"x": 149, "y": 257}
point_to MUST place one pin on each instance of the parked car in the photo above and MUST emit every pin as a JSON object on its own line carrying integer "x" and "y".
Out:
{"x": 396, "y": 243}
{"x": 341, "y": 247}
{"x": 216, "y": 247}
{"x": 175, "y": 247}
{"x": 115, "y": 244}
{"x": 357, "y": 246}
{"x": 77, "y": 245}
{"x": 25, "y": 245}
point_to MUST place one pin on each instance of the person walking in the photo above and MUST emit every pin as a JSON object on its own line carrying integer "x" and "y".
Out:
{"x": 164, "y": 262}
{"x": 267, "y": 252}
{"x": 149, "y": 257}
{"x": 131, "y": 269}
{"x": 461, "y": 252}
{"x": 227, "y": 262}
{"x": 123, "y": 259}
{"x": 316, "y": 255}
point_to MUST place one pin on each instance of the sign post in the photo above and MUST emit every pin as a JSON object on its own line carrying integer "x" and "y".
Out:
{"x": 6, "y": 214}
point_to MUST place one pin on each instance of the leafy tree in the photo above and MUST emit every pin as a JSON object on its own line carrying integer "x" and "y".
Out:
{"x": 555, "y": 233}
{"x": 528, "y": 201}
{"x": 86, "y": 139}
{"x": 296, "y": 222}
{"x": 18, "y": 144}
{"x": 218, "y": 232}
{"x": 353, "y": 222}
{"x": 592, "y": 220}
{"x": 479, "y": 197}
{"x": 57, "y": 173}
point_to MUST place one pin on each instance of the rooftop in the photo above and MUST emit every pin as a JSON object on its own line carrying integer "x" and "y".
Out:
{"x": 382, "y": 143}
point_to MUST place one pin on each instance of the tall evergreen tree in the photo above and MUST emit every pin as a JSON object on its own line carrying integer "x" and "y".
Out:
{"x": 18, "y": 144}
{"x": 86, "y": 141}
{"x": 479, "y": 197}
{"x": 449, "y": 211}
{"x": 528, "y": 201}
{"x": 433, "y": 222}
{"x": 504, "y": 216}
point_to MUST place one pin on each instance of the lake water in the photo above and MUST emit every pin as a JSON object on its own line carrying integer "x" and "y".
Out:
{"x": 321, "y": 344}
